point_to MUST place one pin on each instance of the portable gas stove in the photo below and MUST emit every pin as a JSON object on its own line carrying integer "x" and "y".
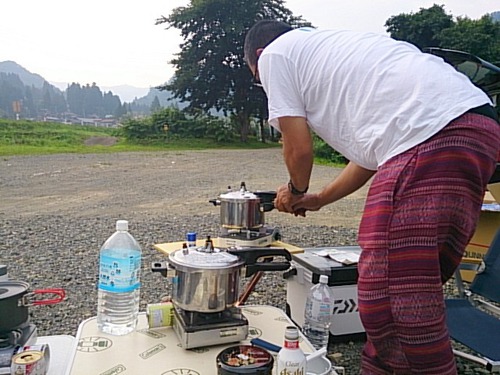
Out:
{"x": 10, "y": 342}
{"x": 260, "y": 237}
{"x": 195, "y": 329}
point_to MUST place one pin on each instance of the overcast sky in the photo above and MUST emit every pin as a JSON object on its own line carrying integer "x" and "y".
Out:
{"x": 116, "y": 42}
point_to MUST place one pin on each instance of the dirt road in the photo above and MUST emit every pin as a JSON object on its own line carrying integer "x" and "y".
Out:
{"x": 178, "y": 183}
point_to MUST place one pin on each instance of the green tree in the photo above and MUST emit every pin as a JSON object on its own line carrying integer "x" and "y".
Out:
{"x": 422, "y": 28}
{"x": 155, "y": 105}
{"x": 478, "y": 37}
{"x": 92, "y": 100}
{"x": 47, "y": 101}
{"x": 29, "y": 103}
{"x": 432, "y": 27}
{"x": 110, "y": 103}
{"x": 11, "y": 90}
{"x": 121, "y": 110}
{"x": 210, "y": 72}
{"x": 74, "y": 94}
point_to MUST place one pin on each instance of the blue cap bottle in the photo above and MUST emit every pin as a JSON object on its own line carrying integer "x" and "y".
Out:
{"x": 191, "y": 239}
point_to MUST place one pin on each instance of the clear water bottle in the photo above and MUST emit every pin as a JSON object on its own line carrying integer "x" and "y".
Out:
{"x": 291, "y": 359}
{"x": 318, "y": 313}
{"x": 119, "y": 282}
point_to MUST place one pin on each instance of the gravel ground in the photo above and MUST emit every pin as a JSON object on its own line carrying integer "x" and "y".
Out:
{"x": 57, "y": 210}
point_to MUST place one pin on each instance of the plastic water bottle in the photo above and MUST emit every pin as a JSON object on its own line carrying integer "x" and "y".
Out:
{"x": 119, "y": 282}
{"x": 318, "y": 313}
{"x": 291, "y": 359}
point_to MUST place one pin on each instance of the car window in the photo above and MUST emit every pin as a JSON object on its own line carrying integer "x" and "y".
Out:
{"x": 482, "y": 73}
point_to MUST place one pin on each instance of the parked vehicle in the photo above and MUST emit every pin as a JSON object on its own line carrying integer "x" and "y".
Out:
{"x": 482, "y": 73}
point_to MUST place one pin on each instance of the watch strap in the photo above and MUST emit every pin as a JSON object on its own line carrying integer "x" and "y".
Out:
{"x": 294, "y": 190}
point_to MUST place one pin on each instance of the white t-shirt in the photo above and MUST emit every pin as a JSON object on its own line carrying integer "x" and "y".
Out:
{"x": 368, "y": 96}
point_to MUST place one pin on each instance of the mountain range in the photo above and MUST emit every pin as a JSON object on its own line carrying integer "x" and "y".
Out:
{"x": 127, "y": 93}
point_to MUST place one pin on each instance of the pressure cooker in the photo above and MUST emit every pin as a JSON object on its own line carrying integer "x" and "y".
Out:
{"x": 242, "y": 209}
{"x": 206, "y": 279}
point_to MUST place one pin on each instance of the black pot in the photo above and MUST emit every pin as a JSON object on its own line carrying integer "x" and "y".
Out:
{"x": 14, "y": 303}
{"x": 12, "y": 311}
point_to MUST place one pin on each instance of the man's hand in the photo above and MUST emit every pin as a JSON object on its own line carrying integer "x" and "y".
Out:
{"x": 285, "y": 200}
{"x": 307, "y": 202}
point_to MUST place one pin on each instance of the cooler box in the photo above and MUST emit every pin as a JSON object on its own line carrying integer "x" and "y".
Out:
{"x": 305, "y": 270}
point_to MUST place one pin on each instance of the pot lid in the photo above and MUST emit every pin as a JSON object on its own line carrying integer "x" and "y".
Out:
{"x": 12, "y": 288}
{"x": 197, "y": 258}
{"x": 242, "y": 195}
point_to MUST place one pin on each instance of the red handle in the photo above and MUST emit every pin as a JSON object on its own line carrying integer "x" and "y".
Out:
{"x": 60, "y": 293}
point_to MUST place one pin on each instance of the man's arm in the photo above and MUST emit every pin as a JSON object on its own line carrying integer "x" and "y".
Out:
{"x": 298, "y": 157}
{"x": 350, "y": 179}
{"x": 297, "y": 150}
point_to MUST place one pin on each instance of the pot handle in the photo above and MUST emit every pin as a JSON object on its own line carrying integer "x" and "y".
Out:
{"x": 164, "y": 268}
{"x": 251, "y": 256}
{"x": 265, "y": 267}
{"x": 266, "y": 199}
{"x": 60, "y": 293}
{"x": 215, "y": 202}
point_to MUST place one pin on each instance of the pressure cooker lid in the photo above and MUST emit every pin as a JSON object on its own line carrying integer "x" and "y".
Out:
{"x": 194, "y": 258}
{"x": 239, "y": 195}
{"x": 12, "y": 288}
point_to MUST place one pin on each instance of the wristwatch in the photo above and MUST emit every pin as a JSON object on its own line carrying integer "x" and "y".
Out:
{"x": 294, "y": 190}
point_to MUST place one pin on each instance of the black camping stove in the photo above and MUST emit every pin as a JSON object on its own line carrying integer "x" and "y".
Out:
{"x": 260, "y": 237}
{"x": 11, "y": 341}
{"x": 196, "y": 329}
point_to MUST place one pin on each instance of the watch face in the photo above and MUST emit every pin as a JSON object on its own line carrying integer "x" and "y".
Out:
{"x": 181, "y": 371}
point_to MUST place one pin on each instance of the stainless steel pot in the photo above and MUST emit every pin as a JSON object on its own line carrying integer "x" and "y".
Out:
{"x": 243, "y": 209}
{"x": 208, "y": 281}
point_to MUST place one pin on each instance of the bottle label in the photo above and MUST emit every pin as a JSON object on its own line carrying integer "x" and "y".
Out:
{"x": 119, "y": 274}
{"x": 321, "y": 309}
{"x": 291, "y": 344}
{"x": 291, "y": 367}
{"x": 292, "y": 371}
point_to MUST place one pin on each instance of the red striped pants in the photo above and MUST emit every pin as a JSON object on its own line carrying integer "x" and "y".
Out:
{"x": 421, "y": 211}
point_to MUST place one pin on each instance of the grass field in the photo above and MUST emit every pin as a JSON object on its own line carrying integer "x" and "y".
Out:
{"x": 36, "y": 138}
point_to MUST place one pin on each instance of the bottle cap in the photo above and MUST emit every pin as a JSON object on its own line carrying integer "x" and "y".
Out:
{"x": 122, "y": 225}
{"x": 291, "y": 333}
{"x": 191, "y": 237}
{"x": 323, "y": 279}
